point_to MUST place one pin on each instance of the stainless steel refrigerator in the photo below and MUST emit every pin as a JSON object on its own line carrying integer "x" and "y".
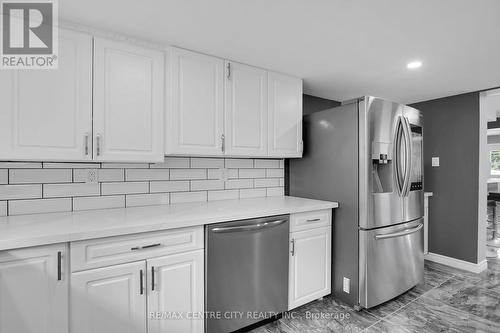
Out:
{"x": 367, "y": 155}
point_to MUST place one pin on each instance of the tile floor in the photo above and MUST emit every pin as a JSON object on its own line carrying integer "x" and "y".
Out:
{"x": 449, "y": 300}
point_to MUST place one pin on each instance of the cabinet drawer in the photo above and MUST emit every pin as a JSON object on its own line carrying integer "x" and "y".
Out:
{"x": 121, "y": 249}
{"x": 308, "y": 220}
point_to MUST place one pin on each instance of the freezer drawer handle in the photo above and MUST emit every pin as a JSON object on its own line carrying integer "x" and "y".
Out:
{"x": 401, "y": 233}
{"x": 249, "y": 227}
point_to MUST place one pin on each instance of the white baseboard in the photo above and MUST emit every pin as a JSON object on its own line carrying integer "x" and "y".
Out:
{"x": 457, "y": 263}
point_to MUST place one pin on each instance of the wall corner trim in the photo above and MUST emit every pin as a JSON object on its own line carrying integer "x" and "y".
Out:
{"x": 457, "y": 263}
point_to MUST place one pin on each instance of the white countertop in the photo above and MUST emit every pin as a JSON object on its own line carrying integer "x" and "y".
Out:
{"x": 42, "y": 229}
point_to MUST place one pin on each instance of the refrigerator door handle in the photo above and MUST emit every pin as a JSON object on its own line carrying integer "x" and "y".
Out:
{"x": 408, "y": 150}
{"x": 397, "y": 154}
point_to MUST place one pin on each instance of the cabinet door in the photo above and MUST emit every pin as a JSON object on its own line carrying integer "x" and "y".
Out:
{"x": 285, "y": 116}
{"x": 245, "y": 110}
{"x": 195, "y": 112}
{"x": 47, "y": 114}
{"x": 176, "y": 286}
{"x": 310, "y": 266}
{"x": 33, "y": 291}
{"x": 128, "y": 102}
{"x": 109, "y": 299}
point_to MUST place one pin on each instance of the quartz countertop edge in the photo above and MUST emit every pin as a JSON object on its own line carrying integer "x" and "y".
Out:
{"x": 42, "y": 229}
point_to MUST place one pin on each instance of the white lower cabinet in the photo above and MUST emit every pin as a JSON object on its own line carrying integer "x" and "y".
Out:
{"x": 148, "y": 294}
{"x": 34, "y": 290}
{"x": 310, "y": 266}
{"x": 176, "y": 286}
{"x": 109, "y": 299}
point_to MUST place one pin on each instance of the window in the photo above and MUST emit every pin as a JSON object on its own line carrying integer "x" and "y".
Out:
{"x": 495, "y": 162}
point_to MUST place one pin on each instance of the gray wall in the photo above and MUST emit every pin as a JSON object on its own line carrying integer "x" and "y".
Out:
{"x": 451, "y": 132}
{"x": 310, "y": 104}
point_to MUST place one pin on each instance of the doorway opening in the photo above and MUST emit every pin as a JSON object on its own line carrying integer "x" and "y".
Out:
{"x": 490, "y": 109}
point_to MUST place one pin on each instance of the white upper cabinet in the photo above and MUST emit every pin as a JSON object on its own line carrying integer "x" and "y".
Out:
{"x": 128, "y": 102}
{"x": 47, "y": 114}
{"x": 285, "y": 116}
{"x": 245, "y": 110}
{"x": 195, "y": 111}
{"x": 34, "y": 290}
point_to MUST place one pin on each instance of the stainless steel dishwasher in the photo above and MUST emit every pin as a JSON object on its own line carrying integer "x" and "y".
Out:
{"x": 246, "y": 268}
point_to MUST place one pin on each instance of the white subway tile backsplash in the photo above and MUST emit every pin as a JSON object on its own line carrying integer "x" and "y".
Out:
{"x": 223, "y": 195}
{"x": 238, "y": 163}
{"x": 19, "y": 165}
{"x": 275, "y": 191}
{"x": 125, "y": 165}
{"x": 51, "y": 165}
{"x": 267, "y": 182}
{"x": 59, "y": 186}
{"x": 70, "y": 190}
{"x": 182, "y": 174}
{"x": 10, "y": 192}
{"x": 252, "y": 193}
{"x": 239, "y": 183}
{"x": 109, "y": 201}
{"x": 207, "y": 163}
{"x": 170, "y": 186}
{"x": 252, "y": 173}
{"x": 180, "y": 197}
{"x": 4, "y": 176}
{"x": 275, "y": 173}
{"x": 37, "y": 206}
{"x": 35, "y": 176}
{"x": 125, "y": 188}
{"x": 134, "y": 200}
{"x": 260, "y": 163}
{"x": 200, "y": 185}
{"x": 103, "y": 175}
{"x": 217, "y": 173}
{"x": 147, "y": 174}
{"x": 3, "y": 208}
{"x": 173, "y": 163}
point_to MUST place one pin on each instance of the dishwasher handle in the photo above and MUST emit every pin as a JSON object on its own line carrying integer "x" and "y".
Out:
{"x": 249, "y": 227}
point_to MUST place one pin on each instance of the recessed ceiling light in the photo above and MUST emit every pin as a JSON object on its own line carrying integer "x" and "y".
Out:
{"x": 414, "y": 64}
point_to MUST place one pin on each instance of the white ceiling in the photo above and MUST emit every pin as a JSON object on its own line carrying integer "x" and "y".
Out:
{"x": 341, "y": 48}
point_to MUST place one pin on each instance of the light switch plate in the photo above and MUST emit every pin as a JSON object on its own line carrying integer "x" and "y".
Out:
{"x": 435, "y": 161}
{"x": 346, "y": 285}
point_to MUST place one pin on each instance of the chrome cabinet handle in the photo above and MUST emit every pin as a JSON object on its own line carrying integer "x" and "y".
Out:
{"x": 86, "y": 143}
{"x": 314, "y": 220}
{"x": 223, "y": 142}
{"x": 293, "y": 247}
{"x": 59, "y": 266}
{"x": 135, "y": 248}
{"x": 400, "y": 233}
{"x": 248, "y": 227}
{"x": 141, "y": 282}
{"x": 152, "y": 278}
{"x": 98, "y": 144}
